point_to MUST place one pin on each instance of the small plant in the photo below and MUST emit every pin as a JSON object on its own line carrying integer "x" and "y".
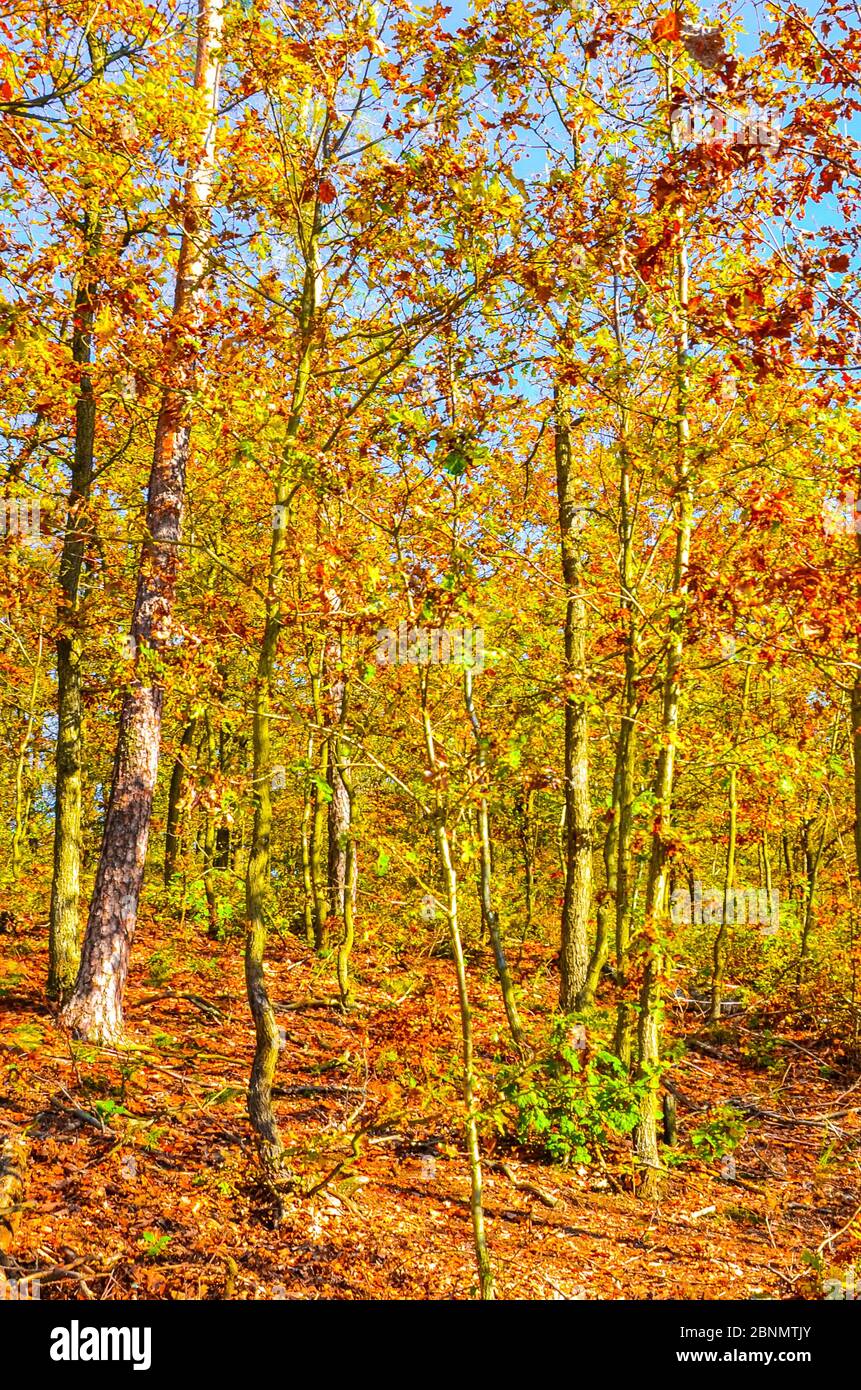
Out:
{"x": 719, "y": 1135}
{"x": 761, "y": 1049}
{"x": 154, "y": 1245}
{"x": 568, "y": 1109}
{"x": 106, "y": 1108}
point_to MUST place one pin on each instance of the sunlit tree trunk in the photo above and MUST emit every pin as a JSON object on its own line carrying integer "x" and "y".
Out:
{"x": 257, "y": 879}
{"x": 95, "y": 1008}
{"x": 449, "y": 878}
{"x": 305, "y": 847}
{"x": 577, "y": 901}
{"x": 525, "y": 811}
{"x": 607, "y": 901}
{"x": 489, "y": 913}
{"x": 339, "y": 808}
{"x": 657, "y": 897}
{"x": 63, "y": 944}
{"x": 855, "y": 715}
{"x": 22, "y": 792}
{"x": 720, "y": 943}
{"x": 173, "y": 831}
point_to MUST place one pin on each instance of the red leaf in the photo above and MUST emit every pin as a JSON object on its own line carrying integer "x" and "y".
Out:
{"x": 5, "y": 91}
{"x": 326, "y": 192}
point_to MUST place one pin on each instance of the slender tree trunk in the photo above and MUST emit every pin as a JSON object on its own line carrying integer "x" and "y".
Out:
{"x": 656, "y": 906}
{"x": 63, "y": 950}
{"x": 319, "y": 819}
{"x": 348, "y": 897}
{"x": 449, "y": 877}
{"x": 489, "y": 912}
{"x": 855, "y": 714}
{"x": 210, "y": 838}
{"x": 95, "y": 1008}
{"x": 812, "y": 860}
{"x": 525, "y": 812}
{"x": 442, "y": 841}
{"x": 624, "y": 779}
{"x": 257, "y": 880}
{"x": 307, "y": 883}
{"x": 173, "y": 833}
{"x": 607, "y": 900}
{"x": 721, "y": 939}
{"x": 339, "y": 808}
{"x": 627, "y": 763}
{"x": 789, "y": 866}
{"x": 22, "y": 793}
{"x": 577, "y": 902}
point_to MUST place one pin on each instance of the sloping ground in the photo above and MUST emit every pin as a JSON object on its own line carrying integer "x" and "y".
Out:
{"x": 141, "y": 1179}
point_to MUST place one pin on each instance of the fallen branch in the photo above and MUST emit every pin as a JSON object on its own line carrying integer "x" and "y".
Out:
{"x": 748, "y": 1108}
{"x": 523, "y": 1186}
{"x": 210, "y": 1010}
{"x": 680, "y": 1095}
{"x": 829, "y": 1240}
{"x": 708, "y": 1049}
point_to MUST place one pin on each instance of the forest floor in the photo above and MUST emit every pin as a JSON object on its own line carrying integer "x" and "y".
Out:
{"x": 141, "y": 1173}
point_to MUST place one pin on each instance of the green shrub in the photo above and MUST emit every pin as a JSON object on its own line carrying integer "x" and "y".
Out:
{"x": 567, "y": 1110}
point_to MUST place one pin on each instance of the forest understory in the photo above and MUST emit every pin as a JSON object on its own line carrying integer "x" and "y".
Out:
{"x": 430, "y": 653}
{"x": 143, "y": 1183}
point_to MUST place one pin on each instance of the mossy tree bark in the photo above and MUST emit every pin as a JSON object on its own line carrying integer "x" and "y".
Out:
{"x": 657, "y": 889}
{"x": 257, "y": 879}
{"x": 63, "y": 931}
{"x": 577, "y": 900}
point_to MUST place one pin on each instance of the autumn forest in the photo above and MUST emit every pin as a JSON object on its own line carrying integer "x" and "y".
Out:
{"x": 430, "y": 650}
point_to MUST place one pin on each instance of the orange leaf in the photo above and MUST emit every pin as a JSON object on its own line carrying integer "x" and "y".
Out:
{"x": 669, "y": 26}
{"x": 326, "y": 192}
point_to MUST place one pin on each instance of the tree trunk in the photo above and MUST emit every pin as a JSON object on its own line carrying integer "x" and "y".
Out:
{"x": 855, "y": 714}
{"x": 63, "y": 952}
{"x": 173, "y": 833}
{"x": 449, "y": 877}
{"x": 525, "y": 811}
{"x": 307, "y": 882}
{"x": 577, "y": 901}
{"x": 720, "y": 943}
{"x": 489, "y": 913}
{"x": 95, "y": 1009}
{"x": 812, "y": 859}
{"x": 339, "y": 801}
{"x": 23, "y": 797}
{"x": 210, "y": 839}
{"x": 348, "y": 892}
{"x": 656, "y": 906}
{"x": 257, "y": 880}
{"x": 319, "y": 819}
